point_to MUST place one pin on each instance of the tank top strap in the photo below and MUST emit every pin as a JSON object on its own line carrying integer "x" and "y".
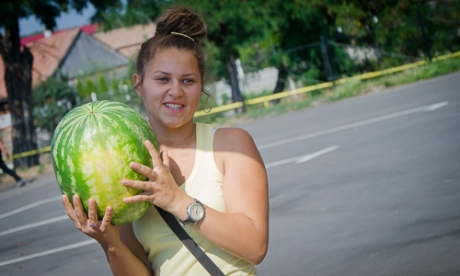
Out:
{"x": 204, "y": 137}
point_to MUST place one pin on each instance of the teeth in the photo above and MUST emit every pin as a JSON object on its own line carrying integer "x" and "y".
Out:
{"x": 173, "y": 106}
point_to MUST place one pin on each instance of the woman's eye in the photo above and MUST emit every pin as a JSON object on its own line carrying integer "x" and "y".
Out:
{"x": 187, "y": 81}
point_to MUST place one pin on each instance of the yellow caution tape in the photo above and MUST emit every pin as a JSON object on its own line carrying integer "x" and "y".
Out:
{"x": 266, "y": 99}
{"x": 29, "y": 153}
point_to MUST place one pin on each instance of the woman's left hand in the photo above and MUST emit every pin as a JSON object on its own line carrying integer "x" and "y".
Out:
{"x": 160, "y": 189}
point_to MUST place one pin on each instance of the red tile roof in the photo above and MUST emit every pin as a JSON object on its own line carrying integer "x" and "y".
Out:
{"x": 126, "y": 41}
{"x": 47, "y": 53}
{"x": 89, "y": 29}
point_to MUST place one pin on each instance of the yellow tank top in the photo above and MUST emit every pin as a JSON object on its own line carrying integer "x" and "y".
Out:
{"x": 166, "y": 252}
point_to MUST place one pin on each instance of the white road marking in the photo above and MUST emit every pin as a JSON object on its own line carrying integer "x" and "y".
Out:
{"x": 353, "y": 125}
{"x": 32, "y": 205}
{"x": 301, "y": 159}
{"x": 32, "y": 225}
{"x": 436, "y": 106}
{"x": 316, "y": 154}
{"x": 47, "y": 252}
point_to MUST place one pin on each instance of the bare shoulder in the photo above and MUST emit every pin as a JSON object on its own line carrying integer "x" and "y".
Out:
{"x": 234, "y": 139}
{"x": 235, "y": 147}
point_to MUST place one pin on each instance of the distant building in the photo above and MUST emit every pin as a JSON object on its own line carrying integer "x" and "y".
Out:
{"x": 75, "y": 52}
{"x": 71, "y": 52}
{"x": 126, "y": 41}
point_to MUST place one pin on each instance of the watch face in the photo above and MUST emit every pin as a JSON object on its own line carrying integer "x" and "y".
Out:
{"x": 196, "y": 211}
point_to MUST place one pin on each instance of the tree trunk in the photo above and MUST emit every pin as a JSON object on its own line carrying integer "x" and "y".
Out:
{"x": 18, "y": 80}
{"x": 234, "y": 84}
{"x": 281, "y": 81}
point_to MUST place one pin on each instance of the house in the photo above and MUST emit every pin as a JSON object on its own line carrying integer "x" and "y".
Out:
{"x": 126, "y": 41}
{"x": 89, "y": 29}
{"x": 71, "y": 52}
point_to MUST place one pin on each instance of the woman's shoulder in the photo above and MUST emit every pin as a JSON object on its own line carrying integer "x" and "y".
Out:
{"x": 234, "y": 148}
{"x": 232, "y": 138}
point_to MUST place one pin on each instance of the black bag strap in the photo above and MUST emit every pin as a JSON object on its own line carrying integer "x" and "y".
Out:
{"x": 207, "y": 263}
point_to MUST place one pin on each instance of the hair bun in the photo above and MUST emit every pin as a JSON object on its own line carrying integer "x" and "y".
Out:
{"x": 181, "y": 20}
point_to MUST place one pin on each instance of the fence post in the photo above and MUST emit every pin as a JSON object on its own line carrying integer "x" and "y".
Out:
{"x": 326, "y": 60}
{"x": 424, "y": 36}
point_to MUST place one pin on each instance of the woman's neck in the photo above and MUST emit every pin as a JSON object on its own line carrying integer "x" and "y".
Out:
{"x": 180, "y": 137}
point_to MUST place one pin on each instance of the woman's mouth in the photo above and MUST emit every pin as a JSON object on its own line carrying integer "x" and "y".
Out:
{"x": 174, "y": 106}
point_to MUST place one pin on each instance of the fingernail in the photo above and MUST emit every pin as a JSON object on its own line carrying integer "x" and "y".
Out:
{"x": 92, "y": 225}
{"x": 90, "y": 203}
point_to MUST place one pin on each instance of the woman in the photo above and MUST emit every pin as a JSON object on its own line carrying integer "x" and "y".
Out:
{"x": 220, "y": 172}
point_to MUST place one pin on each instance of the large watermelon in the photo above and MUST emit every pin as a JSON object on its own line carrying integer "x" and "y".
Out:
{"x": 91, "y": 150}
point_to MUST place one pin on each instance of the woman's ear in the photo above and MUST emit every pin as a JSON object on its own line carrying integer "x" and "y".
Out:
{"x": 137, "y": 81}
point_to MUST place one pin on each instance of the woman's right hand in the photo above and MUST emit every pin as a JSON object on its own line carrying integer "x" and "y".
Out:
{"x": 102, "y": 231}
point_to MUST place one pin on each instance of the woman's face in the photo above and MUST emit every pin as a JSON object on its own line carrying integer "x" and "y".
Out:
{"x": 171, "y": 87}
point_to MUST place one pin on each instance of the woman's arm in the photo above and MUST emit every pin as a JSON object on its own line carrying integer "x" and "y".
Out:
{"x": 243, "y": 229}
{"x": 124, "y": 253}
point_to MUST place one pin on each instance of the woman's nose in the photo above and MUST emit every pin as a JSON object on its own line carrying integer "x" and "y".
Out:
{"x": 176, "y": 89}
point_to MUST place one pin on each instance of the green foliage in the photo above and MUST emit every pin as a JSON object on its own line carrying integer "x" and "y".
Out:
{"x": 310, "y": 76}
{"x": 46, "y": 11}
{"x": 132, "y": 12}
{"x": 350, "y": 89}
{"x": 215, "y": 66}
{"x": 15, "y": 57}
{"x": 90, "y": 87}
{"x": 51, "y": 101}
{"x": 81, "y": 91}
{"x": 232, "y": 23}
{"x": 411, "y": 28}
{"x": 342, "y": 64}
{"x": 103, "y": 88}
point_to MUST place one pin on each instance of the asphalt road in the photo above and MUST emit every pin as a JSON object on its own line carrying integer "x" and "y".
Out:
{"x": 364, "y": 186}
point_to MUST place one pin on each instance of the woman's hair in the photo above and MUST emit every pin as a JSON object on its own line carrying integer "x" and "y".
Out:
{"x": 177, "y": 27}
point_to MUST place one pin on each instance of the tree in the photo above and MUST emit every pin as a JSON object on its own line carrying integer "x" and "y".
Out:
{"x": 52, "y": 99}
{"x": 411, "y": 28}
{"x": 299, "y": 26}
{"x": 132, "y": 12}
{"x": 18, "y": 61}
{"x": 231, "y": 24}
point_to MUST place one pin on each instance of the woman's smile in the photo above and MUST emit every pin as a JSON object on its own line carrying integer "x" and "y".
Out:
{"x": 171, "y": 87}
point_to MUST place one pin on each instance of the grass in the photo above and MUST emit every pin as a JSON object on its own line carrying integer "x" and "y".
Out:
{"x": 347, "y": 90}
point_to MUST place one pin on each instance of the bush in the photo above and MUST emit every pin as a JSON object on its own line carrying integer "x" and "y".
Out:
{"x": 51, "y": 101}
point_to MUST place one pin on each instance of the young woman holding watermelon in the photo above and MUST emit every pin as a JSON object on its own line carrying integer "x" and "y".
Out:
{"x": 213, "y": 180}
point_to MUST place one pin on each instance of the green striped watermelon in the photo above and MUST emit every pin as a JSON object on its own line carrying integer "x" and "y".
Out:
{"x": 91, "y": 150}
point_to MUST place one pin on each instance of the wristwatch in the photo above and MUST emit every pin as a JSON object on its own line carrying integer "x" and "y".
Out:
{"x": 195, "y": 212}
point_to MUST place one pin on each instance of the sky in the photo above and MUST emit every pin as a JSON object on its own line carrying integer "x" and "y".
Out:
{"x": 66, "y": 20}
